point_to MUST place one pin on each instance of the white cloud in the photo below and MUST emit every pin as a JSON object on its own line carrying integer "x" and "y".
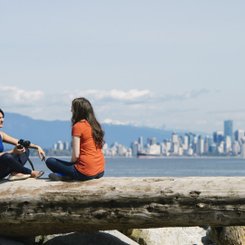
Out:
{"x": 187, "y": 95}
{"x": 11, "y": 95}
{"x": 111, "y": 95}
{"x": 129, "y": 95}
{"x": 134, "y": 107}
{"x": 117, "y": 122}
{"x": 133, "y": 96}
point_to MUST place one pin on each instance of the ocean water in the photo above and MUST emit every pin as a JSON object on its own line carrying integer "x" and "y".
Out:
{"x": 157, "y": 167}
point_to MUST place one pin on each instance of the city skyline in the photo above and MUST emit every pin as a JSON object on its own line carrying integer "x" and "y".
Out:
{"x": 221, "y": 143}
{"x": 173, "y": 65}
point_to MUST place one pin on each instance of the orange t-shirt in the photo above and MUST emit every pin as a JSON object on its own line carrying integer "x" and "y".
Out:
{"x": 91, "y": 159}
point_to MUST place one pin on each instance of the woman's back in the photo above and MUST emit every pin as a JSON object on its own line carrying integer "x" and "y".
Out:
{"x": 91, "y": 159}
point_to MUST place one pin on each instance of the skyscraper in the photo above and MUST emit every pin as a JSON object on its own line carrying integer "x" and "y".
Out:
{"x": 218, "y": 137}
{"x": 228, "y": 129}
{"x": 239, "y": 134}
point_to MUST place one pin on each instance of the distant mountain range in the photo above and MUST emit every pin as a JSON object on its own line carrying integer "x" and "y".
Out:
{"x": 46, "y": 133}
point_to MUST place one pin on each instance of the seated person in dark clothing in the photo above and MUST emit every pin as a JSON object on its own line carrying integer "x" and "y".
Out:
{"x": 12, "y": 162}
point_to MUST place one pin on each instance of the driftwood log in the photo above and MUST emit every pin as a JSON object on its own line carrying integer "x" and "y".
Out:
{"x": 33, "y": 207}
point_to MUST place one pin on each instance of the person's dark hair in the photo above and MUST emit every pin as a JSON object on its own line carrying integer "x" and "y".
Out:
{"x": 1, "y": 111}
{"x": 82, "y": 109}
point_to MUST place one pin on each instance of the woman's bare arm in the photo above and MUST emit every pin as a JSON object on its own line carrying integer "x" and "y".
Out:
{"x": 75, "y": 148}
{"x": 9, "y": 139}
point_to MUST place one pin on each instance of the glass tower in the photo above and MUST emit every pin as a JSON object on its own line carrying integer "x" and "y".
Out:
{"x": 228, "y": 129}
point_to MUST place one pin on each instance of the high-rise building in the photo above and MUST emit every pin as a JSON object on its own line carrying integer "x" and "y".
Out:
{"x": 60, "y": 145}
{"x": 135, "y": 146}
{"x": 239, "y": 134}
{"x": 200, "y": 145}
{"x": 190, "y": 138}
{"x": 228, "y": 129}
{"x": 185, "y": 143}
{"x": 207, "y": 143}
{"x": 243, "y": 148}
{"x": 236, "y": 148}
{"x": 227, "y": 145}
{"x": 141, "y": 143}
{"x": 152, "y": 141}
{"x": 218, "y": 137}
{"x": 175, "y": 138}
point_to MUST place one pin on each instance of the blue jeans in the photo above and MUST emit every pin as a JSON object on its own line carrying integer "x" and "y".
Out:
{"x": 68, "y": 169}
{"x": 13, "y": 163}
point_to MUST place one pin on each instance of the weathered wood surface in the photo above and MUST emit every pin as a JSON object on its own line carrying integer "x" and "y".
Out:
{"x": 33, "y": 207}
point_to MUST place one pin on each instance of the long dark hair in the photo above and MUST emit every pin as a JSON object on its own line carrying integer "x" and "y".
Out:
{"x": 82, "y": 109}
{"x": 1, "y": 111}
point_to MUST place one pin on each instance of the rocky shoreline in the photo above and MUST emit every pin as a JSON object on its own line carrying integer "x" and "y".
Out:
{"x": 163, "y": 236}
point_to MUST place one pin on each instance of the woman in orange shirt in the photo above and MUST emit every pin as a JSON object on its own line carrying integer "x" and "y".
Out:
{"x": 87, "y": 160}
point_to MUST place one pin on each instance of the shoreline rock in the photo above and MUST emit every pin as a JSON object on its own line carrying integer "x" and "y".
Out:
{"x": 233, "y": 235}
{"x": 171, "y": 235}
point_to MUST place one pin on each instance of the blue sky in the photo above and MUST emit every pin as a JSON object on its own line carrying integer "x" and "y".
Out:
{"x": 168, "y": 64}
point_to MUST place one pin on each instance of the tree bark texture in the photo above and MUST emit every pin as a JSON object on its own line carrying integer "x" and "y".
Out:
{"x": 33, "y": 207}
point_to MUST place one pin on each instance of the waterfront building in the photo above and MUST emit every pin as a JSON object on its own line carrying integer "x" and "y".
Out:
{"x": 154, "y": 149}
{"x": 200, "y": 145}
{"x": 136, "y": 147}
{"x": 122, "y": 150}
{"x": 236, "y": 148}
{"x": 60, "y": 145}
{"x": 190, "y": 152}
{"x": 218, "y": 137}
{"x": 221, "y": 148}
{"x": 166, "y": 148}
{"x": 181, "y": 151}
{"x": 129, "y": 152}
{"x": 243, "y": 147}
{"x": 228, "y": 129}
{"x": 67, "y": 146}
{"x": 213, "y": 149}
{"x": 239, "y": 134}
{"x": 152, "y": 141}
{"x": 140, "y": 143}
{"x": 105, "y": 149}
{"x": 190, "y": 137}
{"x": 185, "y": 144}
{"x": 175, "y": 149}
{"x": 55, "y": 146}
{"x": 194, "y": 143}
{"x": 228, "y": 144}
{"x": 207, "y": 144}
{"x": 175, "y": 138}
